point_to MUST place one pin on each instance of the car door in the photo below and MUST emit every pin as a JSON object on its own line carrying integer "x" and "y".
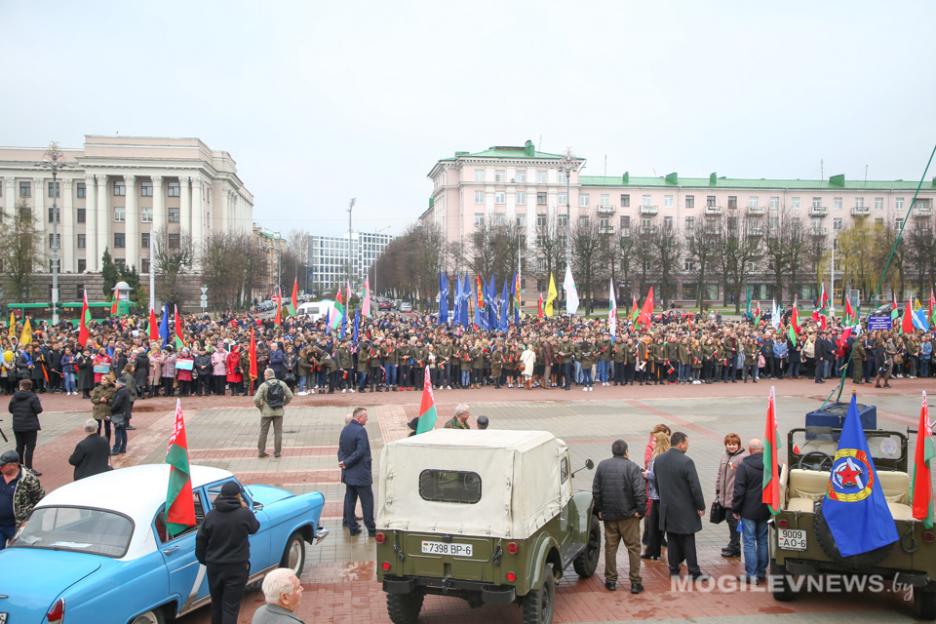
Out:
{"x": 261, "y": 557}
{"x": 569, "y": 543}
{"x": 187, "y": 578}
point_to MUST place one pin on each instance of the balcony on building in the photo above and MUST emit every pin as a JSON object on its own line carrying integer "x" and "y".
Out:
{"x": 818, "y": 231}
{"x": 860, "y": 211}
{"x": 605, "y": 210}
{"x": 923, "y": 210}
{"x": 648, "y": 229}
{"x": 756, "y": 210}
{"x": 625, "y": 232}
{"x": 649, "y": 210}
{"x": 713, "y": 210}
{"x": 818, "y": 211}
{"x": 606, "y": 229}
{"x": 756, "y": 231}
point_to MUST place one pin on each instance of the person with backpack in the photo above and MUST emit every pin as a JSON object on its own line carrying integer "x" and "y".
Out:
{"x": 271, "y": 398}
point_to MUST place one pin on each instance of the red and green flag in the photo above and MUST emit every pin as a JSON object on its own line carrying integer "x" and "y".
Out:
{"x": 179, "y": 341}
{"x": 180, "y": 503}
{"x": 83, "y": 332}
{"x": 252, "y": 355}
{"x": 931, "y": 312}
{"x": 921, "y": 489}
{"x": 757, "y": 315}
{"x": 849, "y": 312}
{"x": 279, "y": 308}
{"x": 115, "y": 303}
{"x": 427, "y": 408}
{"x": 794, "y": 318}
{"x": 771, "y": 482}
{"x": 635, "y": 311}
{"x": 294, "y": 298}
{"x": 792, "y": 334}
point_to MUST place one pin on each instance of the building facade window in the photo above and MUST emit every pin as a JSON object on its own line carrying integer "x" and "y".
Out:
{"x": 520, "y": 176}
{"x": 25, "y": 189}
{"x": 120, "y": 188}
{"x": 563, "y": 198}
{"x": 583, "y": 200}
{"x": 837, "y": 203}
{"x": 55, "y": 215}
{"x": 144, "y": 265}
{"x": 859, "y": 202}
{"x": 774, "y": 203}
{"x": 732, "y": 202}
{"x": 521, "y": 221}
{"x": 690, "y": 224}
{"x": 173, "y": 214}
{"x": 55, "y": 189}
{"x": 54, "y": 239}
{"x": 541, "y": 199}
{"x": 499, "y": 176}
{"x": 120, "y": 214}
{"x": 899, "y": 203}
{"x": 81, "y": 191}
{"x": 690, "y": 201}
{"x": 173, "y": 189}
{"x": 540, "y": 220}
{"x": 562, "y": 221}
{"x": 625, "y": 222}
{"x": 120, "y": 240}
{"x": 541, "y": 176}
{"x": 146, "y": 189}
{"x": 500, "y": 198}
{"x": 520, "y": 199}
{"x": 645, "y": 200}
{"x": 753, "y": 201}
{"x": 795, "y": 203}
{"x": 174, "y": 241}
{"x": 81, "y": 241}
{"x": 479, "y": 219}
{"x": 80, "y": 215}
{"x": 667, "y": 201}
{"x": 604, "y": 199}
{"x": 479, "y": 198}
{"x": 668, "y": 222}
{"x": 837, "y": 223}
{"x": 82, "y": 265}
{"x": 479, "y": 175}
{"x": 879, "y": 203}
{"x": 583, "y": 220}
{"x": 145, "y": 240}
{"x": 898, "y": 224}
{"x": 146, "y": 214}
{"x": 625, "y": 200}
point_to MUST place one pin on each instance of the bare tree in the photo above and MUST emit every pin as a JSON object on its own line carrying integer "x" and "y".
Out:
{"x": 230, "y": 265}
{"x": 796, "y": 243}
{"x": 667, "y": 248}
{"x": 816, "y": 253}
{"x": 645, "y": 252}
{"x": 175, "y": 256}
{"x": 627, "y": 262}
{"x": 550, "y": 250}
{"x": 921, "y": 255}
{"x": 860, "y": 256}
{"x": 742, "y": 244}
{"x": 703, "y": 244}
{"x": 20, "y": 250}
{"x": 585, "y": 254}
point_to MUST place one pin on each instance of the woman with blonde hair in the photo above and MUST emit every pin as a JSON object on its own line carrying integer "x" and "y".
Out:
{"x": 653, "y": 536}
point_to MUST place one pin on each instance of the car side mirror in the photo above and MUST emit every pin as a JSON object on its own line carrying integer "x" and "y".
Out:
{"x": 257, "y": 506}
{"x": 589, "y": 464}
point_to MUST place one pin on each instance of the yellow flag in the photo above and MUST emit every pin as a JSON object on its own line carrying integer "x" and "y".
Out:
{"x": 551, "y": 295}
{"x": 26, "y": 336}
{"x": 11, "y": 331}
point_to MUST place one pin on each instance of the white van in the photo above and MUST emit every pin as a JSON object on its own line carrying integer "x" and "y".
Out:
{"x": 317, "y": 309}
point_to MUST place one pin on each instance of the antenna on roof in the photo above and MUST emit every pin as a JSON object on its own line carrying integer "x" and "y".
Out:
{"x": 866, "y": 174}
{"x": 605, "y": 165}
{"x": 821, "y": 170}
{"x": 540, "y": 144}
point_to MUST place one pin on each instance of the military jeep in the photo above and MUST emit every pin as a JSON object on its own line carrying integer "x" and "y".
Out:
{"x": 801, "y": 544}
{"x": 486, "y": 516}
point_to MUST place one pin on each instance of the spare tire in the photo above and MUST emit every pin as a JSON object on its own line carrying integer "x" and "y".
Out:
{"x": 830, "y": 548}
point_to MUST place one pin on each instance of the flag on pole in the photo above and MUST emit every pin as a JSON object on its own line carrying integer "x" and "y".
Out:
{"x": 252, "y": 359}
{"x": 774, "y": 314}
{"x": 747, "y": 307}
{"x": 365, "y": 306}
{"x": 279, "y": 307}
{"x": 83, "y": 332}
{"x": 515, "y": 291}
{"x": 646, "y": 312}
{"x": 178, "y": 330}
{"x": 328, "y": 324}
{"x": 792, "y": 334}
{"x": 480, "y": 291}
{"x": 11, "y": 329}
{"x": 757, "y": 315}
{"x": 357, "y": 326}
{"x": 921, "y": 490}
{"x": 931, "y": 313}
{"x": 539, "y": 307}
{"x": 347, "y": 293}
{"x": 612, "y": 311}
{"x": 571, "y": 294}
{"x": 427, "y": 408}
{"x": 771, "y": 479}
{"x": 294, "y": 298}
{"x": 164, "y": 326}
{"x": 26, "y": 335}
{"x": 551, "y": 295}
{"x": 180, "y": 502}
{"x": 443, "y": 298}
{"x": 794, "y": 318}
{"x": 906, "y": 325}
{"x": 849, "y": 312}
{"x": 115, "y": 305}
{"x": 465, "y": 315}
{"x": 153, "y": 323}
{"x": 819, "y": 314}
{"x": 635, "y": 311}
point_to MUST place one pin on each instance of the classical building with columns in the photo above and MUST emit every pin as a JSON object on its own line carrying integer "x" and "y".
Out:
{"x": 119, "y": 190}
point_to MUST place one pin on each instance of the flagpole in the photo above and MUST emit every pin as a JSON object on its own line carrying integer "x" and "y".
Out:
{"x": 832, "y": 279}
{"x": 152, "y": 270}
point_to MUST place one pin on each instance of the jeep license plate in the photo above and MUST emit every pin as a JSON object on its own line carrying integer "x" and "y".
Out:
{"x": 446, "y": 548}
{"x": 791, "y": 539}
{"x": 3, "y": 618}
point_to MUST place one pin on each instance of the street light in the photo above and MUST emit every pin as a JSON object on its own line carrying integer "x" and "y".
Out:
{"x": 377, "y": 259}
{"x": 350, "y": 250}
{"x": 54, "y": 160}
{"x": 567, "y": 165}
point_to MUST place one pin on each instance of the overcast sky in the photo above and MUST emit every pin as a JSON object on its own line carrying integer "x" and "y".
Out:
{"x": 320, "y": 102}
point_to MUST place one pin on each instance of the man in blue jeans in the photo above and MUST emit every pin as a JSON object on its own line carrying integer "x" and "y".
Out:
{"x": 747, "y": 507}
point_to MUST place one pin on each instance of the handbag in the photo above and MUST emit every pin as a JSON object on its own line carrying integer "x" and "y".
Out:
{"x": 717, "y": 513}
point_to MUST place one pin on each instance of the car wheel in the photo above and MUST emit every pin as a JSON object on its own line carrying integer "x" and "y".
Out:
{"x": 587, "y": 561}
{"x": 538, "y": 603}
{"x": 780, "y": 587}
{"x": 150, "y": 617}
{"x": 405, "y": 608}
{"x": 294, "y": 554}
{"x": 924, "y": 602}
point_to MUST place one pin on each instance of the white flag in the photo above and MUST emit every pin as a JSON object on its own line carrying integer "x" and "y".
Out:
{"x": 612, "y": 311}
{"x": 571, "y": 295}
{"x": 774, "y": 314}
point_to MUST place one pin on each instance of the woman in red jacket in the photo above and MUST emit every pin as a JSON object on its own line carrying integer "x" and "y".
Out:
{"x": 184, "y": 365}
{"x": 234, "y": 375}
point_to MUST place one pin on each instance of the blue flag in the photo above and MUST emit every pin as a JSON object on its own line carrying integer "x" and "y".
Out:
{"x": 854, "y": 506}
{"x": 503, "y": 321}
{"x": 456, "y": 302}
{"x": 466, "y": 294}
{"x": 357, "y": 325}
{"x": 443, "y": 298}
{"x": 344, "y": 325}
{"x": 164, "y": 326}
{"x": 327, "y": 321}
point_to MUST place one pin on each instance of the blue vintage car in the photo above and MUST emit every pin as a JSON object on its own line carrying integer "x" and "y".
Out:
{"x": 96, "y": 551}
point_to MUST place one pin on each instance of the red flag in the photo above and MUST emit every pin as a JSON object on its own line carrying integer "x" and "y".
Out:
{"x": 771, "y": 480}
{"x": 842, "y": 341}
{"x": 180, "y": 503}
{"x": 539, "y": 306}
{"x": 178, "y": 328}
{"x": 794, "y": 318}
{"x": 646, "y": 312}
{"x": 338, "y": 298}
{"x": 83, "y": 333}
{"x": 480, "y": 291}
{"x": 932, "y": 307}
{"x": 922, "y": 489}
{"x": 849, "y": 312}
{"x": 907, "y": 321}
{"x": 116, "y": 302}
{"x": 295, "y": 295}
{"x": 279, "y": 308}
{"x": 252, "y": 354}
{"x": 153, "y": 327}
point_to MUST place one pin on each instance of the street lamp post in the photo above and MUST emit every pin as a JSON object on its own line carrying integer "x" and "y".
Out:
{"x": 350, "y": 246}
{"x": 567, "y": 165}
{"x": 377, "y": 260}
{"x": 54, "y": 161}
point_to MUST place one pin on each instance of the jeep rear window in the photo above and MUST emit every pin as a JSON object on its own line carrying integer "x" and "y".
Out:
{"x": 450, "y": 486}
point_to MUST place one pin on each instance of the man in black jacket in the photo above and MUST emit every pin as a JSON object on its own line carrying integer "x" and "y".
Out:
{"x": 120, "y": 412}
{"x": 620, "y": 497}
{"x": 222, "y": 545}
{"x": 747, "y": 507}
{"x": 823, "y": 351}
{"x": 92, "y": 455}
{"x": 25, "y": 409}
{"x": 681, "y": 504}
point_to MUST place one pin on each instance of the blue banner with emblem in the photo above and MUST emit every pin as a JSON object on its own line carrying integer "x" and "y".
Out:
{"x": 854, "y": 507}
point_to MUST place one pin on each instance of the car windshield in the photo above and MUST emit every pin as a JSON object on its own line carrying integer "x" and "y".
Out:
{"x": 78, "y": 529}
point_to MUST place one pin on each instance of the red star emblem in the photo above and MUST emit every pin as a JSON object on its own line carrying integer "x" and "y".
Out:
{"x": 848, "y": 475}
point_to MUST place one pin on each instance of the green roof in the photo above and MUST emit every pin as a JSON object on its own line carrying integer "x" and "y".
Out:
{"x": 526, "y": 151}
{"x": 672, "y": 181}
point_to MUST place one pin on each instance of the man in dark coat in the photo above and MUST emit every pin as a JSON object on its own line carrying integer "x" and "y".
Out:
{"x": 823, "y": 355}
{"x": 25, "y": 409}
{"x": 92, "y": 455}
{"x": 681, "y": 504}
{"x": 747, "y": 506}
{"x": 120, "y": 410}
{"x": 620, "y": 496}
{"x": 222, "y": 545}
{"x": 354, "y": 459}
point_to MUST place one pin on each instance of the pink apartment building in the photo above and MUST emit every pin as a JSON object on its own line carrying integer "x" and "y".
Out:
{"x": 508, "y": 184}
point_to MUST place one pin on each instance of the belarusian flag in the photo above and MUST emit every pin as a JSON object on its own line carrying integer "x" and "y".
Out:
{"x": 279, "y": 308}
{"x": 294, "y": 298}
{"x": 115, "y": 305}
{"x": 646, "y": 312}
{"x": 931, "y": 313}
{"x": 365, "y": 305}
{"x": 906, "y": 325}
{"x": 252, "y": 355}
{"x": 179, "y": 342}
{"x": 635, "y": 311}
{"x": 921, "y": 489}
{"x": 792, "y": 334}
{"x": 83, "y": 332}
{"x": 180, "y": 504}
{"x": 757, "y": 315}
{"x": 539, "y": 307}
{"x": 427, "y": 408}
{"x": 771, "y": 482}
{"x": 849, "y": 312}
{"x": 153, "y": 326}
{"x": 794, "y": 318}
{"x": 340, "y": 308}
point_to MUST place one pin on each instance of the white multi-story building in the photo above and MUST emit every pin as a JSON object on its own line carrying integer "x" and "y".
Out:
{"x": 119, "y": 190}
{"x": 328, "y": 258}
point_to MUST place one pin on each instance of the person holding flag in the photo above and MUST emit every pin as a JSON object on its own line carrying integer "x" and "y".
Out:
{"x": 748, "y": 507}
{"x": 921, "y": 488}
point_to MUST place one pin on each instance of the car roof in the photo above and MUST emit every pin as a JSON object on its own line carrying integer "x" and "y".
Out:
{"x": 488, "y": 438}
{"x": 136, "y": 491}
